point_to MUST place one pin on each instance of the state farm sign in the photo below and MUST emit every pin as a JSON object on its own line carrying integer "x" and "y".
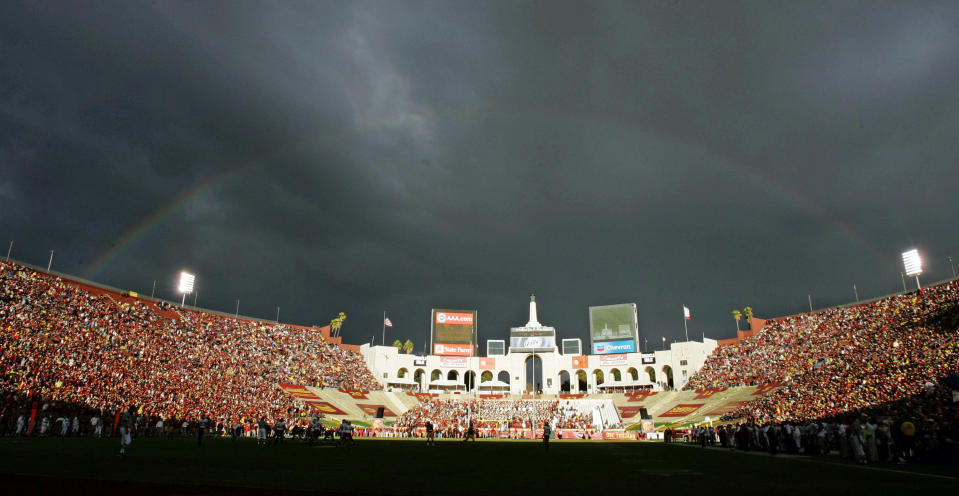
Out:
{"x": 452, "y": 349}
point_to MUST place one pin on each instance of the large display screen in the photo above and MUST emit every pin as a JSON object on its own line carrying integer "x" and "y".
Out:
{"x": 532, "y": 340}
{"x": 454, "y": 332}
{"x": 613, "y": 328}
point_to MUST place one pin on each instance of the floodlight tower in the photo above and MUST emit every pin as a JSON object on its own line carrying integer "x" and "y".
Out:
{"x": 186, "y": 285}
{"x": 912, "y": 264}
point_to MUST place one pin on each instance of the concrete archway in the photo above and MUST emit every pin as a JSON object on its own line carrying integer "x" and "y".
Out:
{"x": 651, "y": 372}
{"x": 534, "y": 373}
{"x": 668, "y": 376}
{"x": 564, "y": 382}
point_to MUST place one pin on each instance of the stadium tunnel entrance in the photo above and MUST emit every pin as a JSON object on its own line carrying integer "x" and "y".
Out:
{"x": 564, "y": 384}
{"x": 581, "y": 381}
{"x": 668, "y": 376}
{"x": 469, "y": 380}
{"x": 534, "y": 373}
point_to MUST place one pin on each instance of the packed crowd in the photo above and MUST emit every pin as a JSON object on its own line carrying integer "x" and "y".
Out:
{"x": 844, "y": 359}
{"x": 451, "y": 417}
{"x": 66, "y": 344}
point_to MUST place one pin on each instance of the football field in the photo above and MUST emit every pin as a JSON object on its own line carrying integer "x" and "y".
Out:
{"x": 393, "y": 466}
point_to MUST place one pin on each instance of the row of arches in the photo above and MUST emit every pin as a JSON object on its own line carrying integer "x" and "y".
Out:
{"x": 467, "y": 378}
{"x": 534, "y": 376}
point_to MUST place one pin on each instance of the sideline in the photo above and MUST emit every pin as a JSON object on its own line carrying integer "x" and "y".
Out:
{"x": 809, "y": 459}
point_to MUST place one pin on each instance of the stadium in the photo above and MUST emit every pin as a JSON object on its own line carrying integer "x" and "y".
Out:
{"x": 871, "y": 383}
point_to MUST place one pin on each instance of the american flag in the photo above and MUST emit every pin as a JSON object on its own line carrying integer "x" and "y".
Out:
{"x": 387, "y": 322}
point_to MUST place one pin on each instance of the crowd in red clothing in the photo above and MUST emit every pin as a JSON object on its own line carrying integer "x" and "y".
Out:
{"x": 844, "y": 359}
{"x": 63, "y": 343}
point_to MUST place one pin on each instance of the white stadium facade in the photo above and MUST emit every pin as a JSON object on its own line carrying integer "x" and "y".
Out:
{"x": 557, "y": 369}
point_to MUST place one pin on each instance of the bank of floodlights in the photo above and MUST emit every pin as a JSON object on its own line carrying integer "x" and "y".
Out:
{"x": 913, "y": 264}
{"x": 186, "y": 285}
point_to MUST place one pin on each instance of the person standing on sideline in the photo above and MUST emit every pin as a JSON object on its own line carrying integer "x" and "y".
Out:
{"x": 97, "y": 425}
{"x": 21, "y": 424}
{"x": 547, "y": 430}
{"x": 126, "y": 428}
{"x": 470, "y": 432}
{"x": 261, "y": 429}
{"x": 429, "y": 434}
{"x": 201, "y": 429}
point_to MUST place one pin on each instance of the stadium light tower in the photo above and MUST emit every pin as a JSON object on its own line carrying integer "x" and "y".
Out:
{"x": 186, "y": 285}
{"x": 912, "y": 264}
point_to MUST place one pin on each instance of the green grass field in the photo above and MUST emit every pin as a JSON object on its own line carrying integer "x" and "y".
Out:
{"x": 387, "y": 466}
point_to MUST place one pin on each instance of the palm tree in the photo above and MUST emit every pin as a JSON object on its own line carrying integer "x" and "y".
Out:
{"x": 336, "y": 324}
{"x": 408, "y": 346}
{"x": 398, "y": 345}
{"x": 737, "y": 316}
{"x": 748, "y": 313}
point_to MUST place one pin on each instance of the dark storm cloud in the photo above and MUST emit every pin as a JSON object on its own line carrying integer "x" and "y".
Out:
{"x": 361, "y": 157}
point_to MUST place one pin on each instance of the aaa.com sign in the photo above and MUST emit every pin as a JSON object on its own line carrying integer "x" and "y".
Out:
{"x": 454, "y": 318}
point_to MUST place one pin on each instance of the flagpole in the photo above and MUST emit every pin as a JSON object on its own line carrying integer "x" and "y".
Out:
{"x": 384, "y": 327}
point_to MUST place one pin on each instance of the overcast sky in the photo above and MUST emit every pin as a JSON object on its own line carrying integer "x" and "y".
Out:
{"x": 398, "y": 156}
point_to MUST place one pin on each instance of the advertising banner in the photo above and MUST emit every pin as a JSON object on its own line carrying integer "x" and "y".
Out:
{"x": 446, "y": 349}
{"x": 649, "y": 358}
{"x": 453, "y": 332}
{"x": 419, "y": 361}
{"x": 614, "y": 347}
{"x": 581, "y": 362}
{"x": 453, "y": 362}
{"x": 612, "y": 359}
{"x": 487, "y": 363}
{"x": 619, "y": 434}
{"x": 613, "y": 325}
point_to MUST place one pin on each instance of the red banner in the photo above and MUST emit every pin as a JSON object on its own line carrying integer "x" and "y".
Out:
{"x": 765, "y": 388}
{"x": 639, "y": 395}
{"x": 682, "y": 410}
{"x": 355, "y": 393}
{"x": 581, "y": 362}
{"x": 300, "y": 392}
{"x": 372, "y": 409}
{"x": 629, "y": 411}
{"x": 422, "y": 396}
{"x": 324, "y": 407}
{"x": 487, "y": 363}
{"x": 728, "y": 407}
{"x": 702, "y": 394}
{"x": 571, "y": 396}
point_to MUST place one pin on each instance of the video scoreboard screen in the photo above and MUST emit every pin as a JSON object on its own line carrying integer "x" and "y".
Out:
{"x": 613, "y": 329}
{"x": 453, "y": 332}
